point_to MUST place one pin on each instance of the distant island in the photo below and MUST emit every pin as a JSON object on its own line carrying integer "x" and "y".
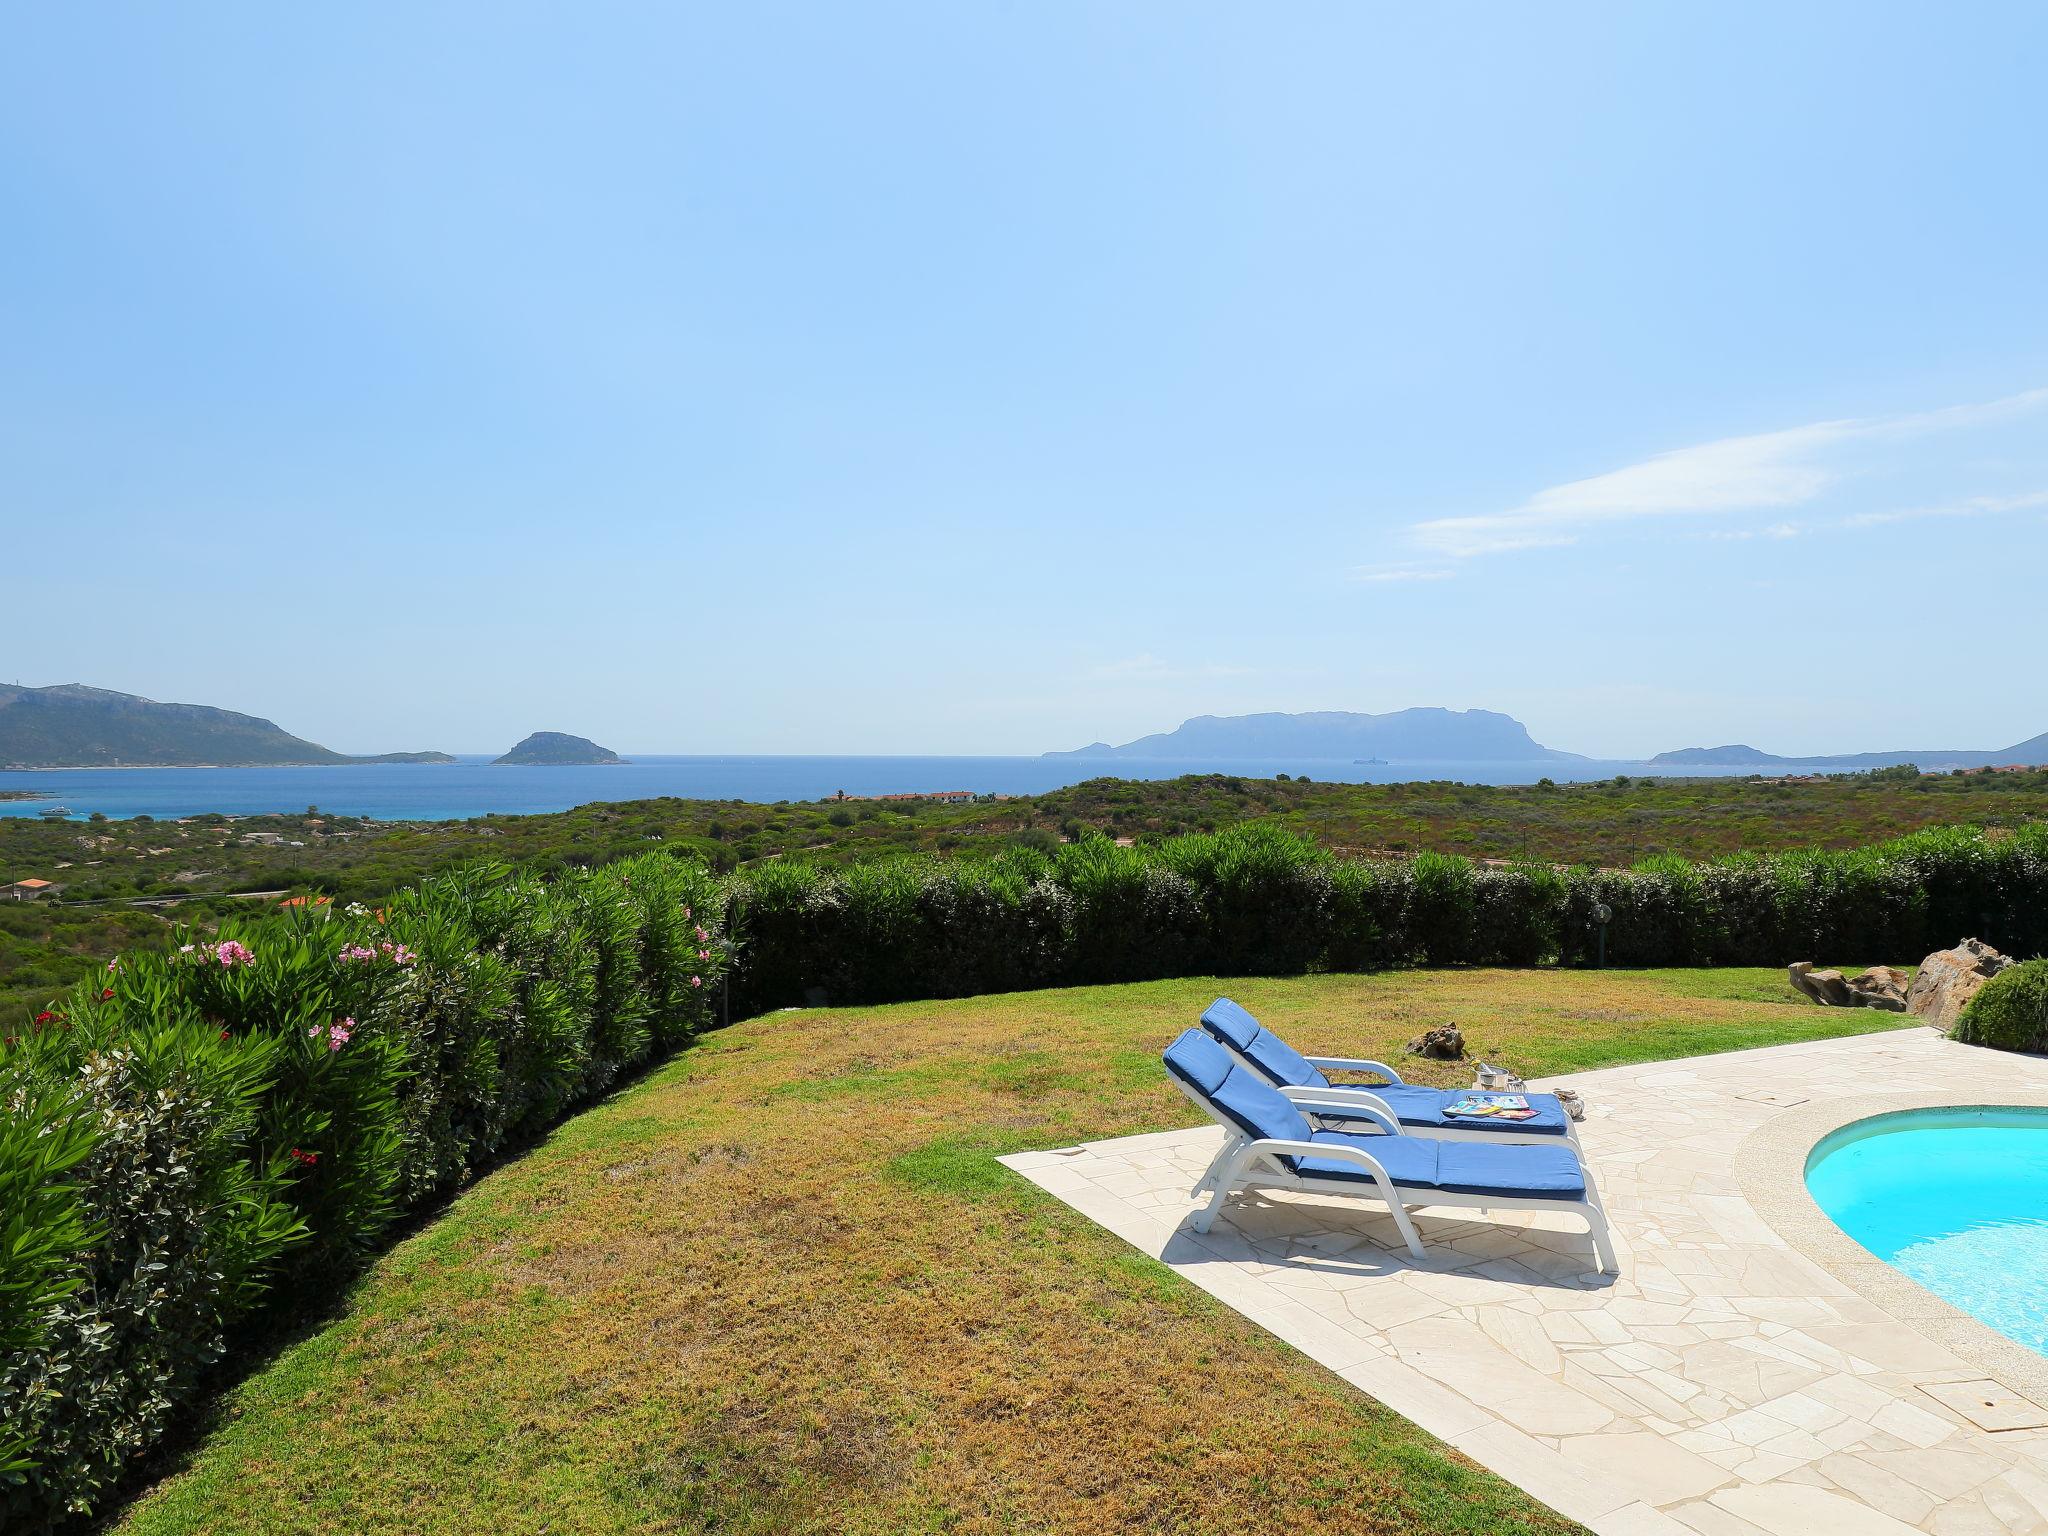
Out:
{"x": 1405, "y": 735}
{"x": 553, "y": 749}
{"x": 73, "y": 726}
{"x": 2033, "y": 751}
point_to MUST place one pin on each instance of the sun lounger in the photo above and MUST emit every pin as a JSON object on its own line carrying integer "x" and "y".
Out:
{"x": 1418, "y": 1109}
{"x": 1271, "y": 1145}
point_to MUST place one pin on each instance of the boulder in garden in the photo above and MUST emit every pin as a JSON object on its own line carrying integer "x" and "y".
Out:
{"x": 1882, "y": 986}
{"x": 1444, "y": 1043}
{"x": 1948, "y": 979}
{"x": 1825, "y": 987}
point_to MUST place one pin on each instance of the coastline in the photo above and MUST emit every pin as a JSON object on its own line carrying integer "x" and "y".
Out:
{"x": 347, "y": 762}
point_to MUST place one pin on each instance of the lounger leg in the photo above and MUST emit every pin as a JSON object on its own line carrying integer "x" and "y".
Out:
{"x": 1215, "y": 1168}
{"x": 1206, "y": 1216}
{"x": 1407, "y": 1225}
{"x": 1229, "y": 1164}
{"x": 1603, "y": 1241}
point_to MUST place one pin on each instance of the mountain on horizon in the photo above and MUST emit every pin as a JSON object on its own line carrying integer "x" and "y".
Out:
{"x": 1404, "y": 735}
{"x": 2032, "y": 752}
{"x": 70, "y": 725}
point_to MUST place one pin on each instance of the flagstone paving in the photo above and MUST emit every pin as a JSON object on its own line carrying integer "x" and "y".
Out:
{"x": 1750, "y": 1370}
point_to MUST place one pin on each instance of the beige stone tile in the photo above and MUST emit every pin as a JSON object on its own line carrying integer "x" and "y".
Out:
{"x": 1915, "y": 1426}
{"x": 1521, "y": 1336}
{"x": 1538, "y": 1469}
{"x": 1794, "y": 1510}
{"x": 1890, "y": 1347}
{"x": 1466, "y": 1361}
{"x": 1390, "y": 1303}
{"x": 1884, "y": 1491}
{"x": 1709, "y": 1520}
{"x": 1654, "y": 1468}
{"x": 1413, "y": 1395}
{"x": 1637, "y": 1520}
{"x": 1966, "y": 1518}
{"x": 1943, "y": 1471}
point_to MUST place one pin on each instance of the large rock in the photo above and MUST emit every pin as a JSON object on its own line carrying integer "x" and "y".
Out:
{"x": 1825, "y": 987}
{"x": 1949, "y": 978}
{"x": 1444, "y": 1043}
{"x": 1881, "y": 986}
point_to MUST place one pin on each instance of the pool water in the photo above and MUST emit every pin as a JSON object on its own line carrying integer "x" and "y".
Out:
{"x": 1955, "y": 1198}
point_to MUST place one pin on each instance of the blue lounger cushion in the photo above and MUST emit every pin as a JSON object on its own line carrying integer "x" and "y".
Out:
{"x": 1253, "y": 1106}
{"x": 1457, "y": 1167}
{"x": 1412, "y": 1103}
{"x": 1280, "y": 1062}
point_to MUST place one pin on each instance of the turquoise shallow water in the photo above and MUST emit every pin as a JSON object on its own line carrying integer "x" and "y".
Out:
{"x": 1955, "y": 1198}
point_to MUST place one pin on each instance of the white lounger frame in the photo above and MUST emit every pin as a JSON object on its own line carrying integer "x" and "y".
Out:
{"x": 1350, "y": 1098}
{"x": 1246, "y": 1162}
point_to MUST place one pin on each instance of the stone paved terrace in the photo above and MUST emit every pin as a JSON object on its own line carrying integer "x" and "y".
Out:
{"x": 1750, "y": 1370}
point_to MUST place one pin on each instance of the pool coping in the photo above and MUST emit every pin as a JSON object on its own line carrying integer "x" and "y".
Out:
{"x": 1770, "y": 1167}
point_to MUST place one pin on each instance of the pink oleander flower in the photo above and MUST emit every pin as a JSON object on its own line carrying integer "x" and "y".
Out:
{"x": 703, "y": 954}
{"x": 350, "y": 953}
{"x": 113, "y": 965}
{"x": 338, "y": 1033}
{"x": 702, "y": 935}
{"x": 186, "y": 949}
{"x": 231, "y": 954}
{"x": 696, "y": 981}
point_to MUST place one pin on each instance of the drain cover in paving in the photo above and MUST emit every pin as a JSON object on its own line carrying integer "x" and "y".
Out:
{"x": 1777, "y": 1096}
{"x": 1987, "y": 1404}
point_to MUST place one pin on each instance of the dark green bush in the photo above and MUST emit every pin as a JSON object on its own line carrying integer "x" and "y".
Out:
{"x": 1132, "y": 918}
{"x": 2010, "y": 1012}
{"x": 1255, "y": 900}
{"x": 1443, "y": 909}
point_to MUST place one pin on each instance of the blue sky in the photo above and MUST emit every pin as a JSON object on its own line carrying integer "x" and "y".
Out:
{"x": 992, "y": 378}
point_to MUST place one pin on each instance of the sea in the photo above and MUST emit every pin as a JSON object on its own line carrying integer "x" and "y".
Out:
{"x": 475, "y": 786}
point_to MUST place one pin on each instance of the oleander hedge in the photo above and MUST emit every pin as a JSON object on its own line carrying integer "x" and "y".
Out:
{"x": 191, "y": 1136}
{"x": 1255, "y": 899}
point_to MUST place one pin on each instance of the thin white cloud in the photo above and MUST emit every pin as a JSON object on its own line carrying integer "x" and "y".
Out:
{"x": 1775, "y": 531}
{"x": 1975, "y": 506}
{"x": 1403, "y": 572}
{"x": 1761, "y": 472}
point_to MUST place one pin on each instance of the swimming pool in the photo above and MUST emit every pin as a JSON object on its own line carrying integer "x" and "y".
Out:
{"x": 1955, "y": 1198}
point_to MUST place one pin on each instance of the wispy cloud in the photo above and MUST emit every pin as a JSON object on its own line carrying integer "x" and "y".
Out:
{"x": 1407, "y": 571}
{"x": 1762, "y": 472}
{"x": 1974, "y": 506}
{"x": 1775, "y": 531}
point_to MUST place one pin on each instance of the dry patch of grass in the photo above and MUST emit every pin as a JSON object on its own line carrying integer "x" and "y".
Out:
{"x": 782, "y": 1286}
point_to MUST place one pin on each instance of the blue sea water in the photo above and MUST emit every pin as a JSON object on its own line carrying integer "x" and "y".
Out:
{"x": 1957, "y": 1199}
{"x": 475, "y": 787}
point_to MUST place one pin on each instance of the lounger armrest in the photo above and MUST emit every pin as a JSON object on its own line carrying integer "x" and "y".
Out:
{"x": 1347, "y": 1103}
{"x": 1354, "y": 1064}
{"x": 1337, "y": 1150}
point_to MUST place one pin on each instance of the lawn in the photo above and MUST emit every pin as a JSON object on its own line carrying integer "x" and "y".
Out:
{"x": 781, "y": 1286}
